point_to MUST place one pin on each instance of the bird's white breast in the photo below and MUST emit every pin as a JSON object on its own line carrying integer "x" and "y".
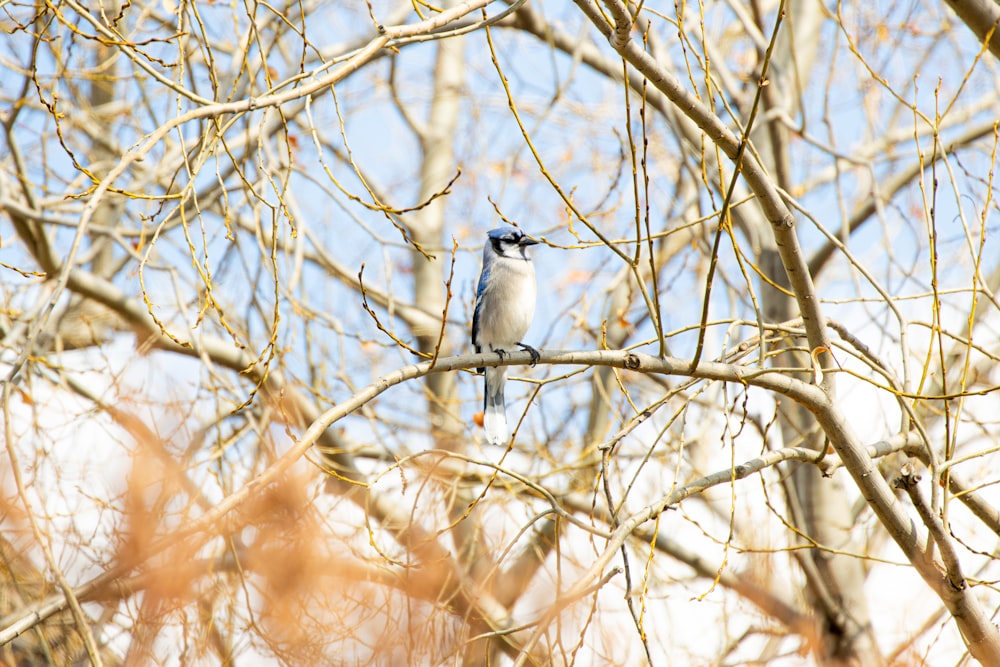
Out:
{"x": 509, "y": 301}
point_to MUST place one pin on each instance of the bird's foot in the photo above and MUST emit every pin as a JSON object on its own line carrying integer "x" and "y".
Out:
{"x": 532, "y": 351}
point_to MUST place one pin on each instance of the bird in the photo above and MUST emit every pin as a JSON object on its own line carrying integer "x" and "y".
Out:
{"x": 505, "y": 306}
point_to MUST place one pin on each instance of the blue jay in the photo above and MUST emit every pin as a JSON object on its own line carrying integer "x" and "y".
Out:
{"x": 505, "y": 304}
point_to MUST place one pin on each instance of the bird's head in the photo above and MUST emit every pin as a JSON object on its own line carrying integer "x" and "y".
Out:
{"x": 510, "y": 242}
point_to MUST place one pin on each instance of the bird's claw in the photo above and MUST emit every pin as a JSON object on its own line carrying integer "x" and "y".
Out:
{"x": 532, "y": 351}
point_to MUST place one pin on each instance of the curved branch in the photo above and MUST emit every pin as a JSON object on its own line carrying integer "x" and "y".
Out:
{"x": 887, "y": 190}
{"x": 982, "y": 17}
{"x": 775, "y": 210}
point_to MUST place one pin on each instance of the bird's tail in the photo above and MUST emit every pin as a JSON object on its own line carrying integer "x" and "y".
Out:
{"x": 494, "y": 412}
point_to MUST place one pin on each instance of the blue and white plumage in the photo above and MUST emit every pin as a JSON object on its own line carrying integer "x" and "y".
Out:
{"x": 505, "y": 305}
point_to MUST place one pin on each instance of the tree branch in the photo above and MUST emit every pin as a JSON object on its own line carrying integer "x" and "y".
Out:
{"x": 981, "y": 17}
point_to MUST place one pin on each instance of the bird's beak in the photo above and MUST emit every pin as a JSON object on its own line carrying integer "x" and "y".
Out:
{"x": 527, "y": 240}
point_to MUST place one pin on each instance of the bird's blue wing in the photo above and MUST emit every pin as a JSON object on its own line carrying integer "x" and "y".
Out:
{"x": 480, "y": 291}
